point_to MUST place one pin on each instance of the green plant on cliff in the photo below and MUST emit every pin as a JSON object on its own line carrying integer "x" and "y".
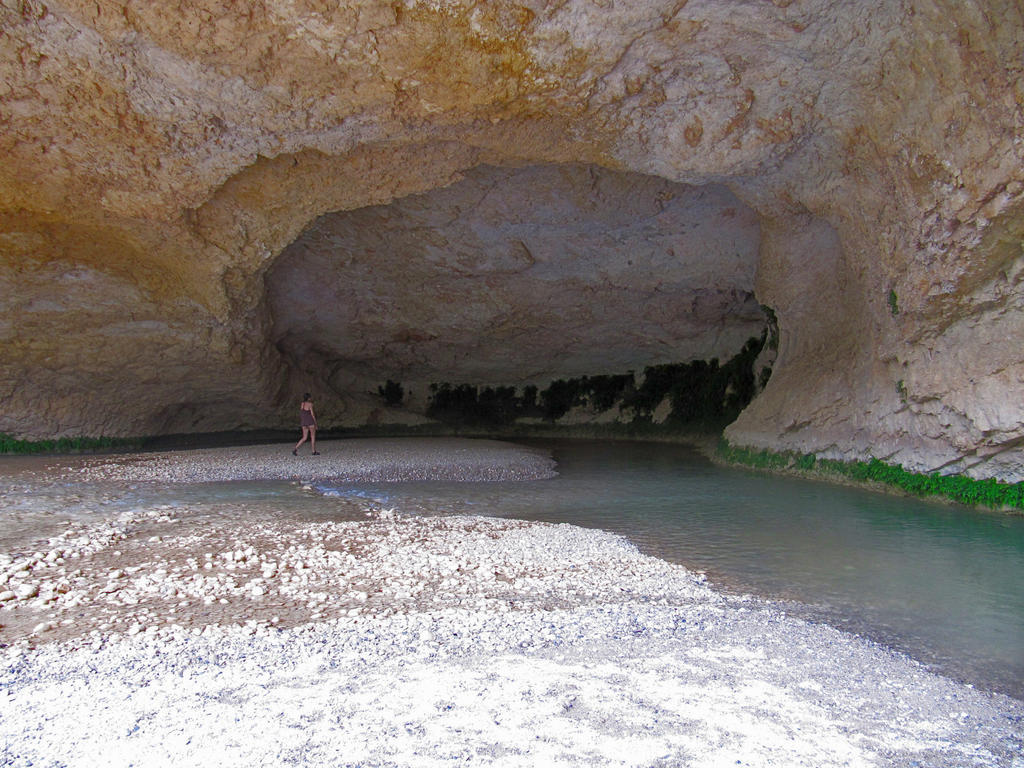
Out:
{"x": 966, "y": 490}
{"x": 901, "y": 390}
{"x": 466, "y": 405}
{"x": 560, "y": 397}
{"x": 10, "y": 444}
{"x": 528, "y": 400}
{"x": 701, "y": 393}
{"x": 392, "y": 393}
{"x": 499, "y": 405}
{"x": 602, "y": 392}
{"x": 893, "y": 302}
{"x": 598, "y": 392}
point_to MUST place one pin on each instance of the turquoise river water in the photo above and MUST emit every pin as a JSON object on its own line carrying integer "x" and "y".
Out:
{"x": 941, "y": 582}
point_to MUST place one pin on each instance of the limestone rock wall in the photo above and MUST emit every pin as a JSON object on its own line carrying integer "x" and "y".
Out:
{"x": 518, "y": 276}
{"x": 159, "y": 158}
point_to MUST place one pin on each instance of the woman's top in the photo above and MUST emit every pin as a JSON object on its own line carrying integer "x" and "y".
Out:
{"x": 306, "y": 415}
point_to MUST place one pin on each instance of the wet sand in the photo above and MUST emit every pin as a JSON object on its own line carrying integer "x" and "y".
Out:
{"x": 387, "y": 639}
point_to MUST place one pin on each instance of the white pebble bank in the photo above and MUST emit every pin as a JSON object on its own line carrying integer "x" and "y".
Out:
{"x": 378, "y": 460}
{"x": 408, "y": 641}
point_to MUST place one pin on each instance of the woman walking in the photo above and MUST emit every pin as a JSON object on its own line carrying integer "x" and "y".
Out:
{"x": 307, "y": 420}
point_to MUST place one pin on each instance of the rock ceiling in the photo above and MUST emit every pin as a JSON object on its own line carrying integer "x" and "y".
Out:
{"x": 205, "y": 207}
{"x": 519, "y": 276}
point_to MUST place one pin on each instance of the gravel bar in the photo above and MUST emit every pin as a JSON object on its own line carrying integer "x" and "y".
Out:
{"x": 399, "y": 640}
{"x": 357, "y": 460}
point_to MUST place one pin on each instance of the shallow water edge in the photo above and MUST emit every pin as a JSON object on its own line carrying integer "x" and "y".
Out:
{"x": 910, "y": 577}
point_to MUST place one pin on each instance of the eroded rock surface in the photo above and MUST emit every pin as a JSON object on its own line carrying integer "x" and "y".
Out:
{"x": 160, "y": 158}
{"x": 513, "y": 277}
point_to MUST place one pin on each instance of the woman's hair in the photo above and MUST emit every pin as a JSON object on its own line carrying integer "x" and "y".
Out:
{"x": 307, "y": 397}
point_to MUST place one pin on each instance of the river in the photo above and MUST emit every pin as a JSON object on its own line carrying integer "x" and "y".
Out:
{"x": 940, "y": 582}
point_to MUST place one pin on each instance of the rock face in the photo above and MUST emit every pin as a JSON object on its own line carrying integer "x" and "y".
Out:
{"x": 204, "y": 211}
{"x": 513, "y": 277}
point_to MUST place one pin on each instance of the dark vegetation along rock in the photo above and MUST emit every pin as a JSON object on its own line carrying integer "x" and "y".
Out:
{"x": 700, "y": 395}
{"x": 205, "y": 213}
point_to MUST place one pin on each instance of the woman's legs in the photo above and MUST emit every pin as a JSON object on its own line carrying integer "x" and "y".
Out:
{"x": 312, "y": 439}
{"x": 305, "y": 434}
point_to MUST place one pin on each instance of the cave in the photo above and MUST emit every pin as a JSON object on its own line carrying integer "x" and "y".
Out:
{"x": 516, "y": 277}
{"x": 203, "y": 216}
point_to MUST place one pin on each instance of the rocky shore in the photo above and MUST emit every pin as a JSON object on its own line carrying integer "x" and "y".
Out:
{"x": 376, "y": 460}
{"x": 169, "y": 634}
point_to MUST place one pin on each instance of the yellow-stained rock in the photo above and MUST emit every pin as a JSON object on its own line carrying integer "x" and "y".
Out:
{"x": 159, "y": 158}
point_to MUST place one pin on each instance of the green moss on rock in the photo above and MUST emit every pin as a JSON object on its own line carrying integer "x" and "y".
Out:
{"x": 985, "y": 493}
{"x": 10, "y": 444}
